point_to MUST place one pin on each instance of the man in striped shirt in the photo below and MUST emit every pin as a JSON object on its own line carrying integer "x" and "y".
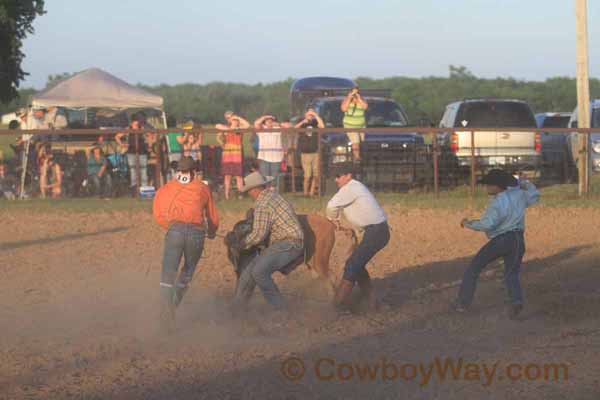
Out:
{"x": 276, "y": 222}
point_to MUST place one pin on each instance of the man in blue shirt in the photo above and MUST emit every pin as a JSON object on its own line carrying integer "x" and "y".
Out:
{"x": 504, "y": 224}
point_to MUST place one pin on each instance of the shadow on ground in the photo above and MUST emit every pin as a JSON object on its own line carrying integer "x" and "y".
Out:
{"x": 62, "y": 238}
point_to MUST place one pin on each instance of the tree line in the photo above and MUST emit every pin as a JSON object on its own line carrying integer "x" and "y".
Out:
{"x": 423, "y": 97}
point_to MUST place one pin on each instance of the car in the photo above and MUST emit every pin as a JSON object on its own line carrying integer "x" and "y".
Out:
{"x": 508, "y": 147}
{"x": 554, "y": 145}
{"x": 594, "y": 141}
{"x": 388, "y": 161}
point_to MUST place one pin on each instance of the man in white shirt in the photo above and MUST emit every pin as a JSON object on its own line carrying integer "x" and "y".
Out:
{"x": 361, "y": 210}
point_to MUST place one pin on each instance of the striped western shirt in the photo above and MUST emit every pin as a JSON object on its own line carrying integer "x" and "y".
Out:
{"x": 274, "y": 217}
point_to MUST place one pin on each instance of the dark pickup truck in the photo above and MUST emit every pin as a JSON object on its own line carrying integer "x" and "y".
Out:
{"x": 389, "y": 161}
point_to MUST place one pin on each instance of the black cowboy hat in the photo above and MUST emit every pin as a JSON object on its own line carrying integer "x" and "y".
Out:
{"x": 499, "y": 178}
{"x": 186, "y": 164}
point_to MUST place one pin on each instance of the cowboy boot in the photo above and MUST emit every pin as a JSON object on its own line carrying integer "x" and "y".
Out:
{"x": 167, "y": 309}
{"x": 366, "y": 288}
{"x": 342, "y": 295}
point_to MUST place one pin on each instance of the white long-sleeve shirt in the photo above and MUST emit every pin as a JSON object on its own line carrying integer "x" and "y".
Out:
{"x": 358, "y": 204}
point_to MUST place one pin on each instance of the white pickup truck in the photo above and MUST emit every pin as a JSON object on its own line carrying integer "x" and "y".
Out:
{"x": 507, "y": 147}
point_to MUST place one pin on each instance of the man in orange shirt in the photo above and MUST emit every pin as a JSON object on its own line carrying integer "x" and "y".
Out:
{"x": 185, "y": 207}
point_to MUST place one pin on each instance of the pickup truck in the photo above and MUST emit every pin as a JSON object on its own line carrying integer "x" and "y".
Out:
{"x": 388, "y": 160}
{"x": 507, "y": 147}
{"x": 594, "y": 141}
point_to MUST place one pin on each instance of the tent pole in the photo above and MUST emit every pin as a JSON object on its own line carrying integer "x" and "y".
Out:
{"x": 25, "y": 158}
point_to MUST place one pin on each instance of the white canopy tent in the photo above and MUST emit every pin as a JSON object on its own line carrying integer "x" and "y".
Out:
{"x": 92, "y": 88}
{"x": 95, "y": 88}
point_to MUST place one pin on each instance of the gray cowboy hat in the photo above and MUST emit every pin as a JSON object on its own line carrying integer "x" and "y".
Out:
{"x": 253, "y": 180}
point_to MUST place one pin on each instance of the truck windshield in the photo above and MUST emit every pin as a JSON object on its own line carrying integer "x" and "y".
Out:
{"x": 556, "y": 122}
{"x": 491, "y": 114}
{"x": 381, "y": 113}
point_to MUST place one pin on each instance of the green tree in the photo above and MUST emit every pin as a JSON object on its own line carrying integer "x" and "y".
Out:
{"x": 54, "y": 79}
{"x": 16, "y": 18}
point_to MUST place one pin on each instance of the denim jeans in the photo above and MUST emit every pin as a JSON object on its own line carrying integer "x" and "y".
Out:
{"x": 181, "y": 240}
{"x": 143, "y": 169}
{"x": 258, "y": 272}
{"x": 99, "y": 181}
{"x": 270, "y": 169}
{"x": 511, "y": 247}
{"x": 375, "y": 238}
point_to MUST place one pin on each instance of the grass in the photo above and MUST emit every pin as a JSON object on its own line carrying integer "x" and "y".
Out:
{"x": 6, "y": 152}
{"x": 457, "y": 199}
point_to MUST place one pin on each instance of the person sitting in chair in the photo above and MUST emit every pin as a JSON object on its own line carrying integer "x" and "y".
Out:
{"x": 275, "y": 219}
{"x": 98, "y": 173}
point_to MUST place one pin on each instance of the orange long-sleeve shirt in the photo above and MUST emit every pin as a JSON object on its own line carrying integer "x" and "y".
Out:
{"x": 190, "y": 203}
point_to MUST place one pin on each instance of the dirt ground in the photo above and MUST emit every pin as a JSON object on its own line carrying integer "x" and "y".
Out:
{"x": 79, "y": 295}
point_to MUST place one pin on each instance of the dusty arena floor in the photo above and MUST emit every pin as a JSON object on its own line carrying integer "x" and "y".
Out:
{"x": 79, "y": 294}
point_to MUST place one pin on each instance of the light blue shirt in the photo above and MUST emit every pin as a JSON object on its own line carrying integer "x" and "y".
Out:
{"x": 506, "y": 212}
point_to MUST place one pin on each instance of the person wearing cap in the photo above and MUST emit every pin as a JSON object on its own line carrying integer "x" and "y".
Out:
{"x": 308, "y": 145}
{"x": 270, "y": 148}
{"x": 504, "y": 224}
{"x": 185, "y": 207}
{"x": 363, "y": 212}
{"x": 275, "y": 220}
{"x": 354, "y": 108}
{"x": 98, "y": 174}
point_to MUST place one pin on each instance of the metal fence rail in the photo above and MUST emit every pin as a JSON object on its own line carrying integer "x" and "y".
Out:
{"x": 429, "y": 160}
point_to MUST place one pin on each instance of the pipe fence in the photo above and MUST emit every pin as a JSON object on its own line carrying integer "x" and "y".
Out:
{"x": 391, "y": 159}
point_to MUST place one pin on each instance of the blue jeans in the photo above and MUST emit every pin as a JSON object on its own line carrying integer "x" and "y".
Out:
{"x": 143, "y": 169}
{"x": 511, "y": 247}
{"x": 258, "y": 272}
{"x": 185, "y": 240}
{"x": 376, "y": 237}
{"x": 270, "y": 169}
{"x": 99, "y": 181}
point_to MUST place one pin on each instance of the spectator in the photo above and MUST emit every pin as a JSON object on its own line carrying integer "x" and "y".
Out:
{"x": 308, "y": 145}
{"x": 36, "y": 120}
{"x": 8, "y": 183}
{"x": 137, "y": 123}
{"x": 232, "y": 142}
{"x": 54, "y": 119}
{"x": 43, "y": 150}
{"x": 152, "y": 143}
{"x": 51, "y": 177}
{"x": 192, "y": 142}
{"x": 174, "y": 149}
{"x": 270, "y": 148}
{"x": 98, "y": 174}
{"x": 354, "y": 108}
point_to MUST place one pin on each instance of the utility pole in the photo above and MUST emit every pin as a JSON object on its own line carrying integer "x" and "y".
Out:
{"x": 583, "y": 93}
